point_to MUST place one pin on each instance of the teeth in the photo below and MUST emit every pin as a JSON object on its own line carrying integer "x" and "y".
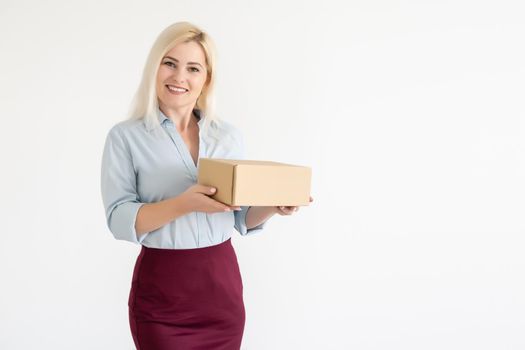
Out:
{"x": 172, "y": 88}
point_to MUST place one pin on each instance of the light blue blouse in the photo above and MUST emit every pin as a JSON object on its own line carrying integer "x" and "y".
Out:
{"x": 138, "y": 167}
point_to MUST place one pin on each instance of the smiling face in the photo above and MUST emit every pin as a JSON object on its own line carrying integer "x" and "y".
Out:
{"x": 184, "y": 67}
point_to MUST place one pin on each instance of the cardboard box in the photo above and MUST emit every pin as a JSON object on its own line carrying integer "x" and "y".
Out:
{"x": 255, "y": 182}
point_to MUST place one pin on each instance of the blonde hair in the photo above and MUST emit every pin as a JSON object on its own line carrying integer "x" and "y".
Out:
{"x": 145, "y": 102}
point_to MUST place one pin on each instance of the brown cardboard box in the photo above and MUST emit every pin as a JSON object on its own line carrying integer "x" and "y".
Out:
{"x": 255, "y": 182}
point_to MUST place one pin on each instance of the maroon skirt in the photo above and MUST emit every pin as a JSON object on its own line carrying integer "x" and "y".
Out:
{"x": 187, "y": 299}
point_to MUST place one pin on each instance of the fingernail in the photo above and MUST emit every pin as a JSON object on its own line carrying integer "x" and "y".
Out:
{"x": 212, "y": 189}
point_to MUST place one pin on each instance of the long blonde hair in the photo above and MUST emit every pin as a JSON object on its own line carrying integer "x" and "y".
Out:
{"x": 145, "y": 103}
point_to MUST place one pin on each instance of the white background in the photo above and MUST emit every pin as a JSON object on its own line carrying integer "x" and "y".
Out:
{"x": 410, "y": 113}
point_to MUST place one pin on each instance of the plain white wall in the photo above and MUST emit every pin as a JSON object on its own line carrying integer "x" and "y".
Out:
{"x": 410, "y": 114}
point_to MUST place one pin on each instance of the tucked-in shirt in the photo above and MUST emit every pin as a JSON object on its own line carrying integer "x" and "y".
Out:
{"x": 138, "y": 167}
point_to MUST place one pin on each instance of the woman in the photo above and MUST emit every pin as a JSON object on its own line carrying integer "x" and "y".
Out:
{"x": 187, "y": 289}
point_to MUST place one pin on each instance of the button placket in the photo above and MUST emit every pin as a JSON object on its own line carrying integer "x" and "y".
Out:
{"x": 183, "y": 150}
{"x": 191, "y": 167}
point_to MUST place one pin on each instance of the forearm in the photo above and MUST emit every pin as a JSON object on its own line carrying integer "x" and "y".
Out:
{"x": 257, "y": 215}
{"x": 151, "y": 216}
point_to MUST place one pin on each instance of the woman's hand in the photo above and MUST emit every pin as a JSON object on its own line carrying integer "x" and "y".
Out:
{"x": 283, "y": 210}
{"x": 196, "y": 198}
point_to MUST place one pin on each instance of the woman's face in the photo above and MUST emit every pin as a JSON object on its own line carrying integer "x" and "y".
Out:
{"x": 184, "y": 66}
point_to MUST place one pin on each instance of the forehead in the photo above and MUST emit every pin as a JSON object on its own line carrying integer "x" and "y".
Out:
{"x": 188, "y": 52}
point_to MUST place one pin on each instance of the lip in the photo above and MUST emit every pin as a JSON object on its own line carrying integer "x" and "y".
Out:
{"x": 180, "y": 87}
{"x": 176, "y": 92}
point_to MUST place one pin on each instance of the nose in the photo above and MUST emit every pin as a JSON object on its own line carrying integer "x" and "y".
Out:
{"x": 179, "y": 75}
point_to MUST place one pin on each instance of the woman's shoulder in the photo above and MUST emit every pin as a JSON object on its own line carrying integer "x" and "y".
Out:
{"x": 125, "y": 127}
{"x": 226, "y": 129}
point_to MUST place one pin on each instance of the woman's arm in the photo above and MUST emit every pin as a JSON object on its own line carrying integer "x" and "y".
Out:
{"x": 151, "y": 216}
{"x": 257, "y": 215}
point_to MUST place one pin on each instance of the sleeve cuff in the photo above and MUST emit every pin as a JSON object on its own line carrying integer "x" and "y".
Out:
{"x": 240, "y": 222}
{"x": 122, "y": 222}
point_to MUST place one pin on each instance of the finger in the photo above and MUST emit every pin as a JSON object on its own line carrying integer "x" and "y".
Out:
{"x": 220, "y": 210}
{"x": 209, "y": 190}
{"x": 234, "y": 207}
{"x": 293, "y": 209}
{"x": 216, "y": 205}
{"x": 223, "y": 207}
{"x": 285, "y": 210}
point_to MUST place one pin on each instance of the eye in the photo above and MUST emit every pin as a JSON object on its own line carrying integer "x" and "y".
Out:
{"x": 196, "y": 70}
{"x": 169, "y": 63}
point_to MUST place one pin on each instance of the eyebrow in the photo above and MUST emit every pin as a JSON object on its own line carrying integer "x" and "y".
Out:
{"x": 176, "y": 60}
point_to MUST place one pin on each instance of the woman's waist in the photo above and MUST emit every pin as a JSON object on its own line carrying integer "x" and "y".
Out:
{"x": 186, "y": 248}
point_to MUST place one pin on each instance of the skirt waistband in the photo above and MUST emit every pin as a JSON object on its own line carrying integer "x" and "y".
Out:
{"x": 189, "y": 252}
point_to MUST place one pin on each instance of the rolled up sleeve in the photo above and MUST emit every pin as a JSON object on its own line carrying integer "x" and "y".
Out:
{"x": 119, "y": 188}
{"x": 240, "y": 222}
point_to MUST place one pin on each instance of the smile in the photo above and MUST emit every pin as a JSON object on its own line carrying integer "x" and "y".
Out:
{"x": 176, "y": 90}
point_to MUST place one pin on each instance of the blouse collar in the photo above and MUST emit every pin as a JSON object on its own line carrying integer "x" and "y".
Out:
{"x": 162, "y": 117}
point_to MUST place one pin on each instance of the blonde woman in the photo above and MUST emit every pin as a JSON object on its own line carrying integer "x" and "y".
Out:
{"x": 186, "y": 291}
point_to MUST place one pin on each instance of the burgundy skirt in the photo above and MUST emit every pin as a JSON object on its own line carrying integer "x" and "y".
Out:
{"x": 187, "y": 299}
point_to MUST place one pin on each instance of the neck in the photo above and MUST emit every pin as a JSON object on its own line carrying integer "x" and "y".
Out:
{"x": 182, "y": 117}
